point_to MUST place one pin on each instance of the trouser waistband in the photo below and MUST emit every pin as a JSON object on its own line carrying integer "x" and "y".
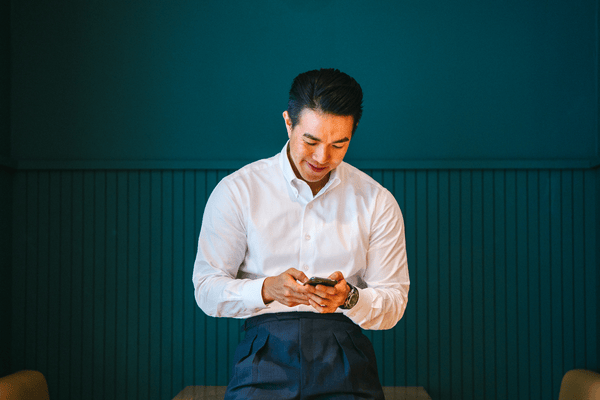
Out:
{"x": 261, "y": 319}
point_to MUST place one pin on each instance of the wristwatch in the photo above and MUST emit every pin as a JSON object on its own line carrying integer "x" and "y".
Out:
{"x": 352, "y": 298}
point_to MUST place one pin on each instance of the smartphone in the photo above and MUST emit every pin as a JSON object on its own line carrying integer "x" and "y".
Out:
{"x": 321, "y": 281}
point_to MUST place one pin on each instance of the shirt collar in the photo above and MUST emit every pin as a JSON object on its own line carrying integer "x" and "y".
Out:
{"x": 293, "y": 181}
{"x": 286, "y": 167}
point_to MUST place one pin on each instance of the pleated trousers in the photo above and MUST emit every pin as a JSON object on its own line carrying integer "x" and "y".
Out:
{"x": 304, "y": 355}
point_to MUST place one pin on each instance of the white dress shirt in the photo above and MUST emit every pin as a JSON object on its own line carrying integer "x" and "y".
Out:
{"x": 262, "y": 220}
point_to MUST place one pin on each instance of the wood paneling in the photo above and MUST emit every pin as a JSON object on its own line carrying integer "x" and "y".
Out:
{"x": 503, "y": 267}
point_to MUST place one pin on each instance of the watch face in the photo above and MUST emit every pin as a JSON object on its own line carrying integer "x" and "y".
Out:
{"x": 352, "y": 299}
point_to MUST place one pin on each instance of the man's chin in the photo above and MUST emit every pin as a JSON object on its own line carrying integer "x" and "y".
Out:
{"x": 314, "y": 179}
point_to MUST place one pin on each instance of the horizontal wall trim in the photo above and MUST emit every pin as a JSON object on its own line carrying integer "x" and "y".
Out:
{"x": 588, "y": 163}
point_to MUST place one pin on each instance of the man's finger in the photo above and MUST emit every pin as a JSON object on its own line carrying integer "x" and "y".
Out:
{"x": 337, "y": 276}
{"x": 324, "y": 291}
{"x": 297, "y": 275}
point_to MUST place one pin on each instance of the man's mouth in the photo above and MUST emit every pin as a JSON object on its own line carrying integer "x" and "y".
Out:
{"x": 316, "y": 169}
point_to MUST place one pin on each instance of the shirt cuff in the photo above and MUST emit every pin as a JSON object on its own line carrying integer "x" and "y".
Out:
{"x": 252, "y": 294}
{"x": 362, "y": 307}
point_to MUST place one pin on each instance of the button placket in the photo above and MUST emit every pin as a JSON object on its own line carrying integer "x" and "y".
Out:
{"x": 306, "y": 247}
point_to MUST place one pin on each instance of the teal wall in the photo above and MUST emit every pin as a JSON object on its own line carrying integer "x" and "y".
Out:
{"x": 5, "y": 269}
{"x": 118, "y": 118}
{"x": 197, "y": 80}
{"x": 5, "y": 189}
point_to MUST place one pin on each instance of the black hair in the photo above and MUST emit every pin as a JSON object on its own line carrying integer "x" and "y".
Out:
{"x": 328, "y": 91}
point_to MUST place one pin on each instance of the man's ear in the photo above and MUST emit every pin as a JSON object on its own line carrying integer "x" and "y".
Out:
{"x": 288, "y": 122}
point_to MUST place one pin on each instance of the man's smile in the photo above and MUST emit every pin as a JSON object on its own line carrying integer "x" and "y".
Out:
{"x": 315, "y": 168}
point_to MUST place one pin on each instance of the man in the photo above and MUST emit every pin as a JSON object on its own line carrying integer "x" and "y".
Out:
{"x": 271, "y": 225}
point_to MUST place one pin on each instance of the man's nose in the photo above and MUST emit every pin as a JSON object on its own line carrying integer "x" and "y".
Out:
{"x": 321, "y": 155}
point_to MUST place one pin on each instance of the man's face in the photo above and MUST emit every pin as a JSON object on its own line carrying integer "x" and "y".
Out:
{"x": 318, "y": 144}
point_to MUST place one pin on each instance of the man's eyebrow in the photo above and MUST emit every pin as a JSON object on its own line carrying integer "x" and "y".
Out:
{"x": 311, "y": 137}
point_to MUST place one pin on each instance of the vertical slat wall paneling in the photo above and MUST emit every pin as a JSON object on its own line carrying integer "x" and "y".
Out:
{"x": 96, "y": 381}
{"x": 456, "y": 327}
{"x": 578, "y": 266}
{"x": 410, "y": 317}
{"x": 16, "y": 314}
{"x": 65, "y": 290}
{"x": 40, "y": 273}
{"x": 132, "y": 205}
{"x": 532, "y": 268}
{"x": 90, "y": 234}
{"x": 545, "y": 286}
{"x": 465, "y": 271}
{"x": 444, "y": 231}
{"x": 489, "y": 285}
{"x": 123, "y": 271}
{"x": 421, "y": 274}
{"x": 79, "y": 205}
{"x": 54, "y": 274}
{"x": 567, "y": 268}
{"x": 177, "y": 275}
{"x": 478, "y": 361}
{"x": 592, "y": 278}
{"x": 6, "y": 252}
{"x": 110, "y": 329}
{"x": 167, "y": 358}
{"x": 36, "y": 321}
{"x": 556, "y": 277}
{"x": 521, "y": 283}
{"x": 510, "y": 221}
{"x": 144, "y": 349}
{"x": 23, "y": 290}
{"x": 502, "y": 262}
{"x": 585, "y": 260}
{"x": 156, "y": 296}
{"x": 500, "y": 285}
{"x": 432, "y": 371}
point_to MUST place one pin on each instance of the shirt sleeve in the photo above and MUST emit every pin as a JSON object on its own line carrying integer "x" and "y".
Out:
{"x": 383, "y": 302}
{"x": 222, "y": 246}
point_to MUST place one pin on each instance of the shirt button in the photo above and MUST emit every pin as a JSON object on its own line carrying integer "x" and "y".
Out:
{"x": 310, "y": 206}
{"x": 305, "y": 267}
{"x": 307, "y": 237}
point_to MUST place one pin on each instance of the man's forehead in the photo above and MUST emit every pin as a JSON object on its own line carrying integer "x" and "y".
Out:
{"x": 321, "y": 126}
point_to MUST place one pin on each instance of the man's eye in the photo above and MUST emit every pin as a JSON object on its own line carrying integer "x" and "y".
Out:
{"x": 310, "y": 144}
{"x": 337, "y": 147}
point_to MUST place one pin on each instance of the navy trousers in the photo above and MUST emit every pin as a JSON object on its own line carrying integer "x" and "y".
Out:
{"x": 304, "y": 356}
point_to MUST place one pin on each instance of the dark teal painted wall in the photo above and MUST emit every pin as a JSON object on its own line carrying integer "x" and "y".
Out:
{"x": 4, "y": 78}
{"x": 208, "y": 80}
{"x": 5, "y": 189}
{"x": 6, "y": 199}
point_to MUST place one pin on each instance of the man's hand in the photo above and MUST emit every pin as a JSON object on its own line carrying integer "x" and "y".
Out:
{"x": 285, "y": 289}
{"x": 327, "y": 299}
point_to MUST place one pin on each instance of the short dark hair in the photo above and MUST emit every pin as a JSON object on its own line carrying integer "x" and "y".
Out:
{"x": 328, "y": 91}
